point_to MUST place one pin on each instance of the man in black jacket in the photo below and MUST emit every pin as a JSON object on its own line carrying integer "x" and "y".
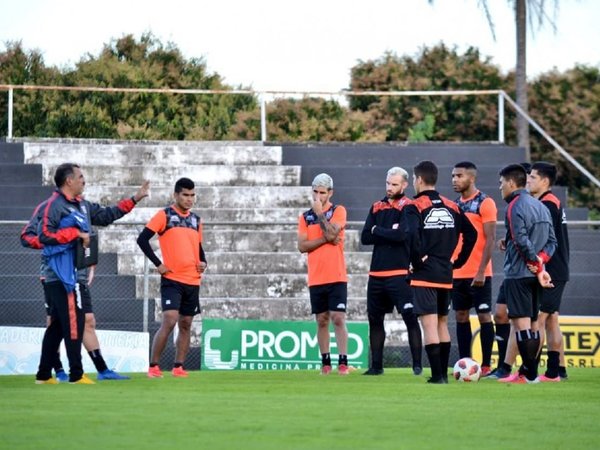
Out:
{"x": 387, "y": 231}
{"x": 540, "y": 182}
{"x": 435, "y": 224}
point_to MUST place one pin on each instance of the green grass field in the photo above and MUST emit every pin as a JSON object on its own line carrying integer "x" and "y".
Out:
{"x": 252, "y": 410}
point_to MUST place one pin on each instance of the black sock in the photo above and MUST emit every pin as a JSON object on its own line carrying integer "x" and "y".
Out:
{"x": 415, "y": 340}
{"x": 487, "y": 342}
{"x": 376, "y": 340}
{"x": 444, "y": 357}
{"x": 433, "y": 354}
{"x": 502, "y": 335}
{"x": 553, "y": 363}
{"x": 98, "y": 360}
{"x": 505, "y": 367}
{"x": 343, "y": 359}
{"x": 153, "y": 364}
{"x": 562, "y": 371}
{"x": 464, "y": 336}
{"x": 326, "y": 359}
{"x": 528, "y": 349}
{"x": 177, "y": 364}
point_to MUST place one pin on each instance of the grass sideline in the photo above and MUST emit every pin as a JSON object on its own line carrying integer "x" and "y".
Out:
{"x": 252, "y": 410}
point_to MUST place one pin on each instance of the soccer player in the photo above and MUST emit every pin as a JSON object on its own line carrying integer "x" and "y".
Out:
{"x": 29, "y": 239}
{"x": 180, "y": 238}
{"x": 540, "y": 182}
{"x": 507, "y": 347}
{"x": 435, "y": 224}
{"x": 472, "y": 285}
{"x": 66, "y": 217}
{"x": 387, "y": 231}
{"x": 321, "y": 235}
{"x": 529, "y": 245}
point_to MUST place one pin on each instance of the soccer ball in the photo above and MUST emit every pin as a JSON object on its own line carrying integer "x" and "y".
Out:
{"x": 467, "y": 370}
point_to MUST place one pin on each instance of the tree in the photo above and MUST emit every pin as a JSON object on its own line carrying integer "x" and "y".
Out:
{"x": 437, "y": 69}
{"x": 535, "y": 9}
{"x": 130, "y": 63}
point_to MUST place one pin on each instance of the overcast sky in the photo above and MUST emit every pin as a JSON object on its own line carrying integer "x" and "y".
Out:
{"x": 307, "y": 45}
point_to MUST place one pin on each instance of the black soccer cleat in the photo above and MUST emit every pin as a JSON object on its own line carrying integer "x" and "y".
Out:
{"x": 373, "y": 371}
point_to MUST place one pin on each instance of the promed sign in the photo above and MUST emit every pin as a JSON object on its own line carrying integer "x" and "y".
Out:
{"x": 273, "y": 345}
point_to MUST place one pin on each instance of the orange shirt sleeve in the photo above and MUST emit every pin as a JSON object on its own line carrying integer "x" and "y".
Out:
{"x": 158, "y": 223}
{"x": 488, "y": 210}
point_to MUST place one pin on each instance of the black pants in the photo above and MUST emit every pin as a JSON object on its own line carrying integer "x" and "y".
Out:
{"x": 67, "y": 322}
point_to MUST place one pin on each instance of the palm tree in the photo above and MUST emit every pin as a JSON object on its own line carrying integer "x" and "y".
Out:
{"x": 534, "y": 9}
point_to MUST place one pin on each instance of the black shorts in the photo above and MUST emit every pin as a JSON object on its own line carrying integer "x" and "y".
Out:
{"x": 501, "y": 300}
{"x": 84, "y": 292}
{"x": 385, "y": 293}
{"x": 181, "y": 297}
{"x": 431, "y": 301}
{"x": 465, "y": 296}
{"x": 522, "y": 297}
{"x": 551, "y": 297}
{"x": 328, "y": 297}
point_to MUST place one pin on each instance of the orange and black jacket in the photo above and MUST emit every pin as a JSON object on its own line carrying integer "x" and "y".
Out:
{"x": 435, "y": 224}
{"x": 390, "y": 238}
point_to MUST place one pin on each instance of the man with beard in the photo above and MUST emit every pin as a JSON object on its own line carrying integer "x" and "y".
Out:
{"x": 387, "y": 231}
{"x": 472, "y": 285}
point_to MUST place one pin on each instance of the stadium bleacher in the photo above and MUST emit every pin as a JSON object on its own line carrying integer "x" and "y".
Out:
{"x": 249, "y": 195}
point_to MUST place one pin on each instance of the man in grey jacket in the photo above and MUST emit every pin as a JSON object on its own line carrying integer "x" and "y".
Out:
{"x": 530, "y": 243}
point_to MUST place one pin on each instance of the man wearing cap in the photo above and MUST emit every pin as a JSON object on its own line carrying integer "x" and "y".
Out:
{"x": 321, "y": 236}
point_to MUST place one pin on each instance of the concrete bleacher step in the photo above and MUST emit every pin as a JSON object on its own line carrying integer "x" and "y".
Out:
{"x": 405, "y": 155}
{"x": 19, "y": 173}
{"x": 246, "y": 262}
{"x": 27, "y": 197}
{"x": 123, "y": 240}
{"x": 104, "y": 286}
{"x": 271, "y": 285}
{"x": 354, "y": 175}
{"x": 28, "y": 261}
{"x": 210, "y": 196}
{"x": 202, "y": 175}
{"x": 111, "y": 313}
{"x": 261, "y": 308}
{"x": 239, "y": 216}
{"x": 11, "y": 153}
{"x": 581, "y": 261}
{"x": 176, "y": 153}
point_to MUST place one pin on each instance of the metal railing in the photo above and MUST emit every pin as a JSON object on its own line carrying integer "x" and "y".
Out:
{"x": 262, "y": 96}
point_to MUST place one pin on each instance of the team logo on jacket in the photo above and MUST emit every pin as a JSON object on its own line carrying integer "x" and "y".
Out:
{"x": 439, "y": 218}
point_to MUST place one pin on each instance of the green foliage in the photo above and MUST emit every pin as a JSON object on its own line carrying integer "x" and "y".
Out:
{"x": 423, "y": 130}
{"x": 567, "y": 106}
{"x": 123, "y": 63}
{"x": 433, "y": 69}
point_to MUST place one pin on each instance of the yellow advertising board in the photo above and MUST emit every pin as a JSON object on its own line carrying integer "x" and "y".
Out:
{"x": 581, "y": 335}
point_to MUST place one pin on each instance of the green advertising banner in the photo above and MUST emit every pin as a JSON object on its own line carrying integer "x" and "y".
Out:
{"x": 274, "y": 345}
